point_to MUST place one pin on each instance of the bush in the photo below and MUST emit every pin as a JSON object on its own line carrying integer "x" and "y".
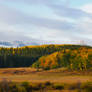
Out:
{"x": 58, "y": 86}
{"x": 20, "y": 89}
{"x": 36, "y": 86}
{"x": 27, "y": 86}
{"x": 74, "y": 86}
{"x": 87, "y": 87}
{"x": 47, "y": 83}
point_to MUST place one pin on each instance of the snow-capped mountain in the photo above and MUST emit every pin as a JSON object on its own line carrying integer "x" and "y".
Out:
{"x": 20, "y": 43}
{"x": 17, "y": 43}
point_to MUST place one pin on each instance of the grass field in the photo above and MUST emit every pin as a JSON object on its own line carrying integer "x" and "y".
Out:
{"x": 55, "y": 76}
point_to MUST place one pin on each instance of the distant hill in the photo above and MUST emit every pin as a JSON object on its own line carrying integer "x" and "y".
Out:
{"x": 74, "y": 59}
{"x": 33, "y": 55}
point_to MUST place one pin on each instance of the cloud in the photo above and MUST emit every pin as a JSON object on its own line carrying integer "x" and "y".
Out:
{"x": 46, "y": 2}
{"x": 16, "y": 24}
{"x": 69, "y": 12}
{"x": 15, "y": 17}
{"x": 87, "y": 8}
{"x": 9, "y": 15}
{"x": 9, "y": 33}
{"x": 9, "y": 19}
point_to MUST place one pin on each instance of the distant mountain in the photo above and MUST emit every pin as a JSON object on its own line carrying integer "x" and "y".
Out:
{"x": 17, "y": 43}
{"x": 20, "y": 43}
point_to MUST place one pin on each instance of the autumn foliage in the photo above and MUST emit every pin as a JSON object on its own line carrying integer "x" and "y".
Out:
{"x": 47, "y": 56}
{"x": 76, "y": 59}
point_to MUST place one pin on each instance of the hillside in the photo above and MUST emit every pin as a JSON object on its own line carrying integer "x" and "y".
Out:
{"x": 80, "y": 59}
{"x": 28, "y": 55}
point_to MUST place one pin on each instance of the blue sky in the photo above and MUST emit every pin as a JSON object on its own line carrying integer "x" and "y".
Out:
{"x": 48, "y": 20}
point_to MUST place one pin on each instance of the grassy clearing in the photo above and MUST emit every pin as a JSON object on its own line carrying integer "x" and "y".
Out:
{"x": 54, "y": 76}
{"x": 57, "y": 80}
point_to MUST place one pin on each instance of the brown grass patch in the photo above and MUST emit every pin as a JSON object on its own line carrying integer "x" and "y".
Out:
{"x": 54, "y": 76}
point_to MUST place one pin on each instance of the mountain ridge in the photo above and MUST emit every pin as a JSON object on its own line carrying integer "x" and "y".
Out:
{"x": 34, "y": 42}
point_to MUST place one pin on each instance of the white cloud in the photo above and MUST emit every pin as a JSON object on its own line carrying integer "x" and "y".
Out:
{"x": 10, "y": 32}
{"x": 85, "y": 26}
{"x": 66, "y": 24}
{"x": 87, "y": 8}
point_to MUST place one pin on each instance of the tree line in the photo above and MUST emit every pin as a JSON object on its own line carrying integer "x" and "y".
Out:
{"x": 26, "y": 56}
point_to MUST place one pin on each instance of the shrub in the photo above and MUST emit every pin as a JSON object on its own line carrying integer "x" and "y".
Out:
{"x": 27, "y": 86}
{"x": 36, "y": 86}
{"x": 87, "y": 87}
{"x": 20, "y": 88}
{"x": 58, "y": 86}
{"x": 47, "y": 83}
{"x": 4, "y": 86}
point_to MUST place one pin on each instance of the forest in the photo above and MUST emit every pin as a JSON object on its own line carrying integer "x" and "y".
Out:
{"x": 80, "y": 59}
{"x": 47, "y": 57}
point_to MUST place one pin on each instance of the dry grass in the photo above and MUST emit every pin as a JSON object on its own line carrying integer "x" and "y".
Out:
{"x": 55, "y": 76}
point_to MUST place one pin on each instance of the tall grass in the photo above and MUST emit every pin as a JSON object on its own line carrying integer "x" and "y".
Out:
{"x": 8, "y": 86}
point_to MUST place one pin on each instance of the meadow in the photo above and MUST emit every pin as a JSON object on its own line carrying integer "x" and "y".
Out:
{"x": 46, "y": 68}
{"x": 55, "y": 80}
{"x": 55, "y": 75}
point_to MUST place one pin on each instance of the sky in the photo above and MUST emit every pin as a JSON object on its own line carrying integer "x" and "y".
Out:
{"x": 47, "y": 20}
